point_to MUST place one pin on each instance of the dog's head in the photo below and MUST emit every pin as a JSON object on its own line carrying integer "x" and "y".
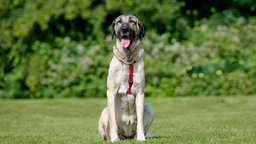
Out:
{"x": 127, "y": 28}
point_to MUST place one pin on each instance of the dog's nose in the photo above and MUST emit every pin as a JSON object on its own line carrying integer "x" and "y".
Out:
{"x": 124, "y": 27}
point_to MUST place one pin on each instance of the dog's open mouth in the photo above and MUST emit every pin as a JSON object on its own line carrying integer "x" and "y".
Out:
{"x": 125, "y": 42}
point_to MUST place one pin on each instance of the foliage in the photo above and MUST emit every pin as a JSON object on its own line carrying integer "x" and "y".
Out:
{"x": 156, "y": 14}
{"x": 62, "y": 48}
{"x": 214, "y": 61}
{"x": 202, "y": 9}
{"x": 68, "y": 69}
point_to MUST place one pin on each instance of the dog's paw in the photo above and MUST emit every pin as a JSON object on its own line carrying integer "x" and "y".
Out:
{"x": 141, "y": 137}
{"x": 114, "y": 138}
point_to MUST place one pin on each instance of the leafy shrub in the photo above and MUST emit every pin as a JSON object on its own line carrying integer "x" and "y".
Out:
{"x": 37, "y": 61}
{"x": 62, "y": 48}
{"x": 215, "y": 60}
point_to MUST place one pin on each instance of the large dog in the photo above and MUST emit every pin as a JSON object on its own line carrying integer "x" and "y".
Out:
{"x": 126, "y": 115}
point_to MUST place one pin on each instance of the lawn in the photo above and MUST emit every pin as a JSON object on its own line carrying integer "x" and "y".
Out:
{"x": 177, "y": 120}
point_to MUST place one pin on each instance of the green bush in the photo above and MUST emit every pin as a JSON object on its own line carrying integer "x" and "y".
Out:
{"x": 37, "y": 60}
{"x": 67, "y": 69}
{"x": 62, "y": 48}
{"x": 215, "y": 60}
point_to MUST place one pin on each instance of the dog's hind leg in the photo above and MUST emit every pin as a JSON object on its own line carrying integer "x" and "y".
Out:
{"x": 103, "y": 124}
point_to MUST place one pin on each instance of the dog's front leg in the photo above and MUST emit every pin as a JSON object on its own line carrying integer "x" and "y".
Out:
{"x": 112, "y": 116}
{"x": 140, "y": 114}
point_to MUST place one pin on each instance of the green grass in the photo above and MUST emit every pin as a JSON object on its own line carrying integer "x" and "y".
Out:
{"x": 177, "y": 120}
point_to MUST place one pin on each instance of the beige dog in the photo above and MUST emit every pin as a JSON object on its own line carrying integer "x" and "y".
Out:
{"x": 126, "y": 115}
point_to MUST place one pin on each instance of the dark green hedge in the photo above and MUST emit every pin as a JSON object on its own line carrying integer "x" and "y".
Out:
{"x": 62, "y": 48}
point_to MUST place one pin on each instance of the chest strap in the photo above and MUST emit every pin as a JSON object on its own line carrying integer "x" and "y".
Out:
{"x": 130, "y": 81}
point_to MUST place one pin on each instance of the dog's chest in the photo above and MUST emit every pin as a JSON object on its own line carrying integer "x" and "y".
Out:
{"x": 122, "y": 79}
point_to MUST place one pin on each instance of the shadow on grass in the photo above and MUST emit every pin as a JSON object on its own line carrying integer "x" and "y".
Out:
{"x": 158, "y": 138}
{"x": 161, "y": 137}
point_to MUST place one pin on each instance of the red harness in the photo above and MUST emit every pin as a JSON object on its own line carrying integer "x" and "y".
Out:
{"x": 130, "y": 81}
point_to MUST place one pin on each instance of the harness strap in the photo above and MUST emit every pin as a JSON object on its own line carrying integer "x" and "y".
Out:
{"x": 130, "y": 81}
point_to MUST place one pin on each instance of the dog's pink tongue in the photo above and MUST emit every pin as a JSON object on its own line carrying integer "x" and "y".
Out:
{"x": 125, "y": 42}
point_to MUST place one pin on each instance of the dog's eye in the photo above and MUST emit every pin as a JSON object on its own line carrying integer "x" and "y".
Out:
{"x": 132, "y": 22}
{"x": 119, "y": 22}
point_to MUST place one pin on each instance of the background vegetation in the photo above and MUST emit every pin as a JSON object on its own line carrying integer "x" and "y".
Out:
{"x": 62, "y": 48}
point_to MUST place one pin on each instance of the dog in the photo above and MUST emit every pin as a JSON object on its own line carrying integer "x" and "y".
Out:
{"x": 126, "y": 116}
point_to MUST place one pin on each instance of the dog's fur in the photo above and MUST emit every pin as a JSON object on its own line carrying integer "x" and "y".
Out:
{"x": 126, "y": 115}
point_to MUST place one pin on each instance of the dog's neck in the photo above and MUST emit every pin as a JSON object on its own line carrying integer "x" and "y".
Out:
{"x": 128, "y": 55}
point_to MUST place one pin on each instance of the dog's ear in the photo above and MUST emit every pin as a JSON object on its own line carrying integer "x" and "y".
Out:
{"x": 113, "y": 33}
{"x": 142, "y": 31}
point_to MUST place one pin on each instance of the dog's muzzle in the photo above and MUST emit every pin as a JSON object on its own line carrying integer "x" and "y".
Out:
{"x": 125, "y": 29}
{"x": 125, "y": 37}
